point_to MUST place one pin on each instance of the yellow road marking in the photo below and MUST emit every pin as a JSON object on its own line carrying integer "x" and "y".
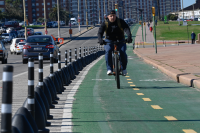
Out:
{"x": 146, "y": 99}
{"x": 128, "y": 79}
{"x": 127, "y": 76}
{"x": 170, "y": 118}
{"x": 130, "y": 82}
{"x": 136, "y": 89}
{"x": 139, "y": 94}
{"x": 189, "y": 131}
{"x": 156, "y": 107}
{"x": 132, "y": 85}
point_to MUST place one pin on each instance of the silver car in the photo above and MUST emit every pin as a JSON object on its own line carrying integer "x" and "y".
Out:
{"x": 19, "y": 48}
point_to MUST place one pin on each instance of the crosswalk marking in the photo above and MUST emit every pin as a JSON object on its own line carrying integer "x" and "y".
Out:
{"x": 136, "y": 89}
{"x": 127, "y": 76}
{"x": 189, "y": 131}
{"x": 140, "y": 94}
{"x": 132, "y": 85}
{"x": 128, "y": 79}
{"x": 170, "y": 118}
{"x": 130, "y": 82}
{"x": 146, "y": 99}
{"x": 156, "y": 107}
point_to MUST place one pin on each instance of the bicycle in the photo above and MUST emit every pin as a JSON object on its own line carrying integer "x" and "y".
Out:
{"x": 116, "y": 63}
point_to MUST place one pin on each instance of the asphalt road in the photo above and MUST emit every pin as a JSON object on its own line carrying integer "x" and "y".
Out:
{"x": 20, "y": 76}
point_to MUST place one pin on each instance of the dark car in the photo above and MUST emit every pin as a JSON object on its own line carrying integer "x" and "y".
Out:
{"x": 195, "y": 19}
{"x": 40, "y": 44}
{"x": 14, "y": 33}
{"x": 49, "y": 25}
{"x": 3, "y": 53}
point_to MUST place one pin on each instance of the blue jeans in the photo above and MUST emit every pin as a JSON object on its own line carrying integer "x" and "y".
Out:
{"x": 109, "y": 48}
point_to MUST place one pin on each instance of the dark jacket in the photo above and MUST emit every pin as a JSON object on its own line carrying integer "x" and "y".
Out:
{"x": 193, "y": 35}
{"x": 113, "y": 31}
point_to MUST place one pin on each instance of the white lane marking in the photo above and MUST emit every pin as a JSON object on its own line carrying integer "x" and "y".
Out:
{"x": 151, "y": 80}
{"x": 102, "y": 79}
{"x": 67, "y": 111}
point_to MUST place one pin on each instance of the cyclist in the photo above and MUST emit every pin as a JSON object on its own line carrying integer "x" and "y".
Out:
{"x": 114, "y": 28}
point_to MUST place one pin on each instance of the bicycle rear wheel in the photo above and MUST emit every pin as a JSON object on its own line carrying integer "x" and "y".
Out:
{"x": 117, "y": 71}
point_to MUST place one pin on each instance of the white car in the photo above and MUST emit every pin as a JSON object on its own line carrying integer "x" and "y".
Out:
{"x": 38, "y": 33}
{"x": 198, "y": 19}
{"x": 13, "y": 46}
{"x": 7, "y": 37}
{"x": 19, "y": 48}
{"x": 8, "y": 30}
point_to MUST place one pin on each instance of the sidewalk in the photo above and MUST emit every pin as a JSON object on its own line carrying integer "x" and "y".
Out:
{"x": 181, "y": 63}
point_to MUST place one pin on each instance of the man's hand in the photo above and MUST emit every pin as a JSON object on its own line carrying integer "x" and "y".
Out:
{"x": 102, "y": 42}
{"x": 129, "y": 40}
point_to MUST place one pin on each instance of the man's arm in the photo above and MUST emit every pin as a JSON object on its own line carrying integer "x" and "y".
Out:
{"x": 101, "y": 31}
{"x": 126, "y": 28}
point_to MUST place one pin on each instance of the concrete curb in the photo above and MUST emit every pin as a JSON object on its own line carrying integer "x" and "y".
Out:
{"x": 180, "y": 77}
{"x": 76, "y": 35}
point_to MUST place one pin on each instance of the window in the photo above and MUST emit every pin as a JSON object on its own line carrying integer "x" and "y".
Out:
{"x": 38, "y": 14}
{"x": 37, "y": 9}
{"x": 48, "y": 8}
{"x": 37, "y": 4}
{"x": 1, "y": 2}
{"x": 48, "y": 3}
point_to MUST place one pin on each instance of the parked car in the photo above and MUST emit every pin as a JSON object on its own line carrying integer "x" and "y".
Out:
{"x": 51, "y": 25}
{"x": 8, "y": 30}
{"x": 199, "y": 19}
{"x": 195, "y": 19}
{"x": 35, "y": 23}
{"x": 31, "y": 30}
{"x": 7, "y": 37}
{"x": 62, "y": 23}
{"x": 3, "y": 53}
{"x": 21, "y": 32}
{"x": 15, "y": 33}
{"x": 38, "y": 33}
{"x": 14, "y": 24}
{"x": 13, "y": 46}
{"x": 40, "y": 44}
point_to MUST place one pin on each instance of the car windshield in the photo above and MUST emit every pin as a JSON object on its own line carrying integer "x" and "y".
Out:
{"x": 38, "y": 33}
{"x": 19, "y": 40}
{"x": 5, "y": 35}
{"x": 39, "y": 39}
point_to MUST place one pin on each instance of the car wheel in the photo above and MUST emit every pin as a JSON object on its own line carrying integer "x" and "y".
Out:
{"x": 15, "y": 53}
{"x": 25, "y": 61}
{"x": 3, "y": 60}
{"x": 11, "y": 52}
{"x": 55, "y": 60}
{"x": 6, "y": 61}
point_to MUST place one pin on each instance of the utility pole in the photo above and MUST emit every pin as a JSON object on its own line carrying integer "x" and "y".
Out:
{"x": 86, "y": 13}
{"x": 93, "y": 14}
{"x": 58, "y": 10}
{"x": 193, "y": 12}
{"x": 45, "y": 18}
{"x": 182, "y": 10}
{"x": 25, "y": 19}
{"x": 99, "y": 13}
{"x": 104, "y": 7}
{"x": 79, "y": 18}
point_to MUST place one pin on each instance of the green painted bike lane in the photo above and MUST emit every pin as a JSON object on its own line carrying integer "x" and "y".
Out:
{"x": 148, "y": 101}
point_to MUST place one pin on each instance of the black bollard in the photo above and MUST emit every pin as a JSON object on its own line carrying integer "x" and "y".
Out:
{"x": 31, "y": 94}
{"x": 23, "y": 111}
{"x": 80, "y": 60}
{"x": 41, "y": 85}
{"x": 6, "y": 106}
{"x": 75, "y": 64}
{"x": 51, "y": 66}
{"x": 40, "y": 71}
{"x": 59, "y": 67}
{"x": 66, "y": 69}
{"x": 72, "y": 71}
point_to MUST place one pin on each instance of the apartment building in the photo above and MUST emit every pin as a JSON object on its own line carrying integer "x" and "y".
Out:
{"x": 2, "y": 5}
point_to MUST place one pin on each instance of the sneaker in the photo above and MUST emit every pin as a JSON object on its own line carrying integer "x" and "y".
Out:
{"x": 124, "y": 72}
{"x": 109, "y": 72}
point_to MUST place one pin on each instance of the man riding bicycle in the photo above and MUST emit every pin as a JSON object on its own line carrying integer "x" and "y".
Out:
{"x": 114, "y": 28}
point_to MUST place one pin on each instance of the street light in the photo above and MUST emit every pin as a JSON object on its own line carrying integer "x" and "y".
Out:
{"x": 141, "y": 10}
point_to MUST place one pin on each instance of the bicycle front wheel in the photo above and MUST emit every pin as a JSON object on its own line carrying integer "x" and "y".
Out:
{"x": 117, "y": 71}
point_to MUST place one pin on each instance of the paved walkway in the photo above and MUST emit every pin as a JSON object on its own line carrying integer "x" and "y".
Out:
{"x": 179, "y": 62}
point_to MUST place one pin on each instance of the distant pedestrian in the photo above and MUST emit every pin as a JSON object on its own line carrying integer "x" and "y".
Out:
{"x": 193, "y": 36}
{"x": 151, "y": 29}
{"x": 156, "y": 22}
{"x": 148, "y": 25}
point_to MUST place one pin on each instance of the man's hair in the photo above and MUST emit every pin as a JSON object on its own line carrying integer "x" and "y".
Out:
{"x": 111, "y": 12}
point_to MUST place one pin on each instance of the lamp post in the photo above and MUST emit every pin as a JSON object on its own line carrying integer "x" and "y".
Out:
{"x": 153, "y": 12}
{"x": 25, "y": 19}
{"x": 86, "y": 13}
{"x": 58, "y": 11}
{"x": 141, "y": 10}
{"x": 45, "y": 22}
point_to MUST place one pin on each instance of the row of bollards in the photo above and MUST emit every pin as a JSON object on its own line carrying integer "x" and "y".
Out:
{"x": 33, "y": 116}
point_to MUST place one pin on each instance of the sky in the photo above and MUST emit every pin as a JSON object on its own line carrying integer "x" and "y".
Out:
{"x": 187, "y": 2}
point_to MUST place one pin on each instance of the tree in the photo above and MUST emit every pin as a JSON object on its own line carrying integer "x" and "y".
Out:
{"x": 53, "y": 15}
{"x": 14, "y": 9}
{"x": 172, "y": 17}
{"x": 41, "y": 20}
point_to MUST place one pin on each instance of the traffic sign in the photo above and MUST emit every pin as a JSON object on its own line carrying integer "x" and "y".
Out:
{"x": 79, "y": 20}
{"x": 61, "y": 40}
{"x": 46, "y": 32}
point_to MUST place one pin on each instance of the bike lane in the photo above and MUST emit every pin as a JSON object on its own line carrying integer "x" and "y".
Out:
{"x": 148, "y": 101}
